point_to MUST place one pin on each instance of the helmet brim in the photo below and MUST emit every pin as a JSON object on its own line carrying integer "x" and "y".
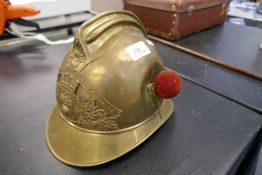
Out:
{"x": 79, "y": 148}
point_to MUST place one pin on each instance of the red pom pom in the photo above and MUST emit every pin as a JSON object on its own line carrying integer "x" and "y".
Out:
{"x": 168, "y": 84}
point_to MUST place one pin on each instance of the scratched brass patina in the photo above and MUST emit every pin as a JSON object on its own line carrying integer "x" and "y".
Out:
{"x": 103, "y": 107}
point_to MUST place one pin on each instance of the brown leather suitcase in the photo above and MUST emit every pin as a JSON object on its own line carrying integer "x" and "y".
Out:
{"x": 174, "y": 19}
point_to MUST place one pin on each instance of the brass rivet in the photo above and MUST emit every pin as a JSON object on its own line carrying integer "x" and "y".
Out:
{"x": 65, "y": 109}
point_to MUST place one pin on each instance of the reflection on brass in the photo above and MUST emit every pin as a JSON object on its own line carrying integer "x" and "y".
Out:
{"x": 152, "y": 95}
{"x": 104, "y": 108}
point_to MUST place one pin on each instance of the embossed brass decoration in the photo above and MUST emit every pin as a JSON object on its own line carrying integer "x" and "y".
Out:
{"x": 105, "y": 107}
{"x": 91, "y": 113}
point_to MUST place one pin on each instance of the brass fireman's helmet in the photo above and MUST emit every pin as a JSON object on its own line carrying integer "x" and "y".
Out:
{"x": 106, "y": 104}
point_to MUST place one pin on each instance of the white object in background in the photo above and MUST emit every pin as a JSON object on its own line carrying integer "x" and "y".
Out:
{"x": 238, "y": 21}
{"x": 245, "y": 10}
{"x": 40, "y": 37}
{"x": 51, "y": 8}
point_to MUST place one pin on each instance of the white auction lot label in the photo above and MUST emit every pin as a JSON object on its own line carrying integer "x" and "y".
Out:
{"x": 137, "y": 50}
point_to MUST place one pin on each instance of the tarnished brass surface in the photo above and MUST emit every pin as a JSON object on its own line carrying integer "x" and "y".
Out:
{"x": 103, "y": 106}
{"x": 78, "y": 148}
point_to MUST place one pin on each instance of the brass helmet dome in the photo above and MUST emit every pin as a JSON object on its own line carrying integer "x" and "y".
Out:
{"x": 106, "y": 100}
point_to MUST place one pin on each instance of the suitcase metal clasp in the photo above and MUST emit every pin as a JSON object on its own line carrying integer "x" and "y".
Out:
{"x": 191, "y": 9}
{"x": 224, "y": 9}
